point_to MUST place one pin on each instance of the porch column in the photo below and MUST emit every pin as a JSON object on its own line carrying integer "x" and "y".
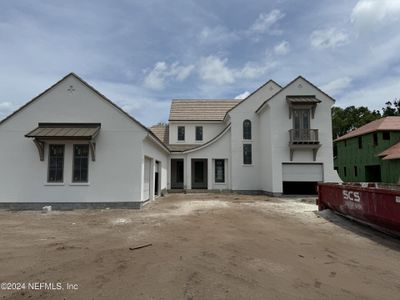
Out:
{"x": 210, "y": 179}
{"x": 187, "y": 183}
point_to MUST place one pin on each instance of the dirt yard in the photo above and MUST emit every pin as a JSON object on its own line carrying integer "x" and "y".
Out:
{"x": 204, "y": 246}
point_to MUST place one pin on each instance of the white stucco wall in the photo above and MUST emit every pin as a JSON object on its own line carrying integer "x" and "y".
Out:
{"x": 247, "y": 177}
{"x": 275, "y": 118}
{"x": 210, "y": 130}
{"x": 115, "y": 175}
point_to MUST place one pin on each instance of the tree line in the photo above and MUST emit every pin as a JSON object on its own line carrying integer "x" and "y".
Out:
{"x": 351, "y": 117}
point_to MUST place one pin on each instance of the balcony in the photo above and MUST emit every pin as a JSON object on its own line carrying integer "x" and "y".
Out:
{"x": 303, "y": 136}
{"x": 304, "y": 139}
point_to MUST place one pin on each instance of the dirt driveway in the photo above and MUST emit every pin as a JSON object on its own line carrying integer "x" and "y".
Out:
{"x": 204, "y": 246}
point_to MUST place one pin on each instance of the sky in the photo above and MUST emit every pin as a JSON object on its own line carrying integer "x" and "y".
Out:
{"x": 141, "y": 54}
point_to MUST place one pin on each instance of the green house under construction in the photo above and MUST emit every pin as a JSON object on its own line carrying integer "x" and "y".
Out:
{"x": 370, "y": 153}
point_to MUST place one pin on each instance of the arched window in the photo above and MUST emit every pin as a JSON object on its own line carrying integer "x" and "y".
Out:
{"x": 247, "y": 130}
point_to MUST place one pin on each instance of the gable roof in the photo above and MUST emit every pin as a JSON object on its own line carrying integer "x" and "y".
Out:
{"x": 96, "y": 92}
{"x": 289, "y": 84}
{"x": 387, "y": 123}
{"x": 162, "y": 132}
{"x": 272, "y": 81}
{"x": 200, "y": 109}
{"x": 393, "y": 152}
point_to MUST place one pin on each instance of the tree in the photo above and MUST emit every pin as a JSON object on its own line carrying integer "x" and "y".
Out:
{"x": 391, "y": 109}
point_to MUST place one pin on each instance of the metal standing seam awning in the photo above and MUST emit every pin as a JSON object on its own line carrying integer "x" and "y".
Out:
{"x": 305, "y": 101}
{"x": 64, "y": 131}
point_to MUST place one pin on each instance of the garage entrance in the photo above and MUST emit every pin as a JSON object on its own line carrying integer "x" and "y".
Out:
{"x": 157, "y": 179}
{"x": 301, "y": 178}
{"x": 147, "y": 179}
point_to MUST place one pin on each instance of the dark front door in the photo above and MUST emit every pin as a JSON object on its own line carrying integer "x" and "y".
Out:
{"x": 176, "y": 173}
{"x": 199, "y": 173}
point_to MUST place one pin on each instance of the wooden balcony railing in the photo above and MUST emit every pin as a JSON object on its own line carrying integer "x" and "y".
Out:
{"x": 303, "y": 136}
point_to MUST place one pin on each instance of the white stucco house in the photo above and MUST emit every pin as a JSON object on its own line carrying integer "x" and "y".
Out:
{"x": 72, "y": 147}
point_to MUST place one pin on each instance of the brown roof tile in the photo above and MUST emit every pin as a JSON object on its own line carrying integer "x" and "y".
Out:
{"x": 200, "y": 110}
{"x": 387, "y": 123}
{"x": 392, "y": 152}
{"x": 162, "y": 132}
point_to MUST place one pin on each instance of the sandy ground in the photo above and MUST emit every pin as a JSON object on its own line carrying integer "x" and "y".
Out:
{"x": 204, "y": 246}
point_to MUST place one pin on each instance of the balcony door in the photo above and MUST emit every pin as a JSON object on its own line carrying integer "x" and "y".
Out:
{"x": 301, "y": 124}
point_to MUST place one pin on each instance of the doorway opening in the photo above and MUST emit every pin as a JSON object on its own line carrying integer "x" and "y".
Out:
{"x": 177, "y": 173}
{"x": 199, "y": 174}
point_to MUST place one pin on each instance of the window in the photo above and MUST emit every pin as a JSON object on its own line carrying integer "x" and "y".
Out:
{"x": 247, "y": 130}
{"x": 199, "y": 133}
{"x": 375, "y": 139}
{"x": 181, "y": 133}
{"x": 355, "y": 171}
{"x": 81, "y": 163}
{"x": 344, "y": 171}
{"x": 386, "y": 135}
{"x": 220, "y": 170}
{"x": 247, "y": 159}
{"x": 56, "y": 163}
{"x": 335, "y": 150}
{"x": 345, "y": 143}
{"x": 360, "y": 142}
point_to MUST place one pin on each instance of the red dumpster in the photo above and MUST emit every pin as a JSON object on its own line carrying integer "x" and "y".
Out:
{"x": 378, "y": 206}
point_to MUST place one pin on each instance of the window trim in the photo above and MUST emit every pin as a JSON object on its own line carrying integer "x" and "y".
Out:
{"x": 61, "y": 182}
{"x": 251, "y": 154}
{"x": 195, "y": 133}
{"x": 184, "y": 134}
{"x": 73, "y": 182}
{"x": 215, "y": 171}
{"x": 250, "y": 130}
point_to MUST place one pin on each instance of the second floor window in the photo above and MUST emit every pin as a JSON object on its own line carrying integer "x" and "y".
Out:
{"x": 247, "y": 155}
{"x": 199, "y": 133}
{"x": 247, "y": 130}
{"x": 181, "y": 133}
{"x": 56, "y": 163}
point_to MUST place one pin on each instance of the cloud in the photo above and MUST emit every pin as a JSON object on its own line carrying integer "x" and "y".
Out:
{"x": 367, "y": 14}
{"x": 218, "y": 35}
{"x": 266, "y": 22}
{"x": 336, "y": 86}
{"x": 243, "y": 95}
{"x": 213, "y": 69}
{"x": 282, "y": 48}
{"x": 328, "y": 38}
{"x": 6, "y": 108}
{"x": 156, "y": 78}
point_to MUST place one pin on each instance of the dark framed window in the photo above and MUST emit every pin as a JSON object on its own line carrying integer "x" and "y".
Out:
{"x": 375, "y": 139}
{"x": 360, "y": 142}
{"x": 199, "y": 133}
{"x": 386, "y": 135}
{"x": 355, "y": 171}
{"x": 247, "y": 155}
{"x": 56, "y": 163}
{"x": 219, "y": 170}
{"x": 344, "y": 171}
{"x": 80, "y": 170}
{"x": 181, "y": 133}
{"x": 247, "y": 130}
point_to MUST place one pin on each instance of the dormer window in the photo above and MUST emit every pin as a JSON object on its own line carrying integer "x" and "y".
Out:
{"x": 247, "y": 130}
{"x": 181, "y": 133}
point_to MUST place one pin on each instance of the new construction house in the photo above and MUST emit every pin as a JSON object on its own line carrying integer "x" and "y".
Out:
{"x": 370, "y": 153}
{"x": 73, "y": 147}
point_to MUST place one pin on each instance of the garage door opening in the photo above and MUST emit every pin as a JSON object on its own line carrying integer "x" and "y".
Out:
{"x": 301, "y": 178}
{"x": 300, "y": 188}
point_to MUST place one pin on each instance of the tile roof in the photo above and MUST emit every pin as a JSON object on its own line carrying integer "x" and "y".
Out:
{"x": 387, "y": 123}
{"x": 303, "y": 99}
{"x": 392, "y": 152}
{"x": 200, "y": 110}
{"x": 162, "y": 132}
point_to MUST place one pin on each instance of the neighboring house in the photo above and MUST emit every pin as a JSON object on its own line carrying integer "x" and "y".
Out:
{"x": 277, "y": 140}
{"x": 370, "y": 153}
{"x": 72, "y": 147}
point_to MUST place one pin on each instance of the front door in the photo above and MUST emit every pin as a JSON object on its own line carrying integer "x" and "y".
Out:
{"x": 177, "y": 173}
{"x": 199, "y": 173}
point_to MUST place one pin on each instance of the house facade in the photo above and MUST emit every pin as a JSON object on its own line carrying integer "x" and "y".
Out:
{"x": 72, "y": 147}
{"x": 370, "y": 153}
{"x": 277, "y": 140}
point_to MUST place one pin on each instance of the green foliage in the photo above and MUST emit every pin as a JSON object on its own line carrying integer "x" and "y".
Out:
{"x": 391, "y": 109}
